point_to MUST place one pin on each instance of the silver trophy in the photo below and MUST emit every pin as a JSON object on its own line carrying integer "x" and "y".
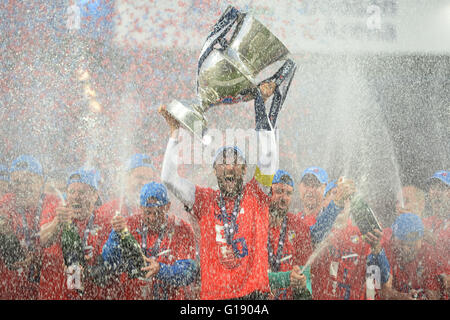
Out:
{"x": 235, "y": 53}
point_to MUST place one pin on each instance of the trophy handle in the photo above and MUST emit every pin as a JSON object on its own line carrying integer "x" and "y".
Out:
{"x": 190, "y": 118}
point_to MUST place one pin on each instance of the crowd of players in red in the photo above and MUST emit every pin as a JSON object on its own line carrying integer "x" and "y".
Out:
{"x": 249, "y": 245}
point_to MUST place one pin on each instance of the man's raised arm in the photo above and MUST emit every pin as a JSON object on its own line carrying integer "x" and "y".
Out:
{"x": 182, "y": 188}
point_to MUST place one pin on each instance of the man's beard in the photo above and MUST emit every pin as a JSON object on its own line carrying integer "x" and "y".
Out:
{"x": 276, "y": 212}
{"x": 311, "y": 203}
{"x": 237, "y": 188}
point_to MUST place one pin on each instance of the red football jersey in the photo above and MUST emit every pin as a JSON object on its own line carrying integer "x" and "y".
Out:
{"x": 339, "y": 271}
{"x": 57, "y": 282}
{"x": 309, "y": 219}
{"x": 15, "y": 284}
{"x": 421, "y": 273}
{"x": 296, "y": 250}
{"x": 224, "y": 277}
{"x": 177, "y": 243}
{"x": 440, "y": 229}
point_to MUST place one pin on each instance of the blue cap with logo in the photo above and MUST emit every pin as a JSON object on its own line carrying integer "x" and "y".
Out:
{"x": 318, "y": 172}
{"x": 156, "y": 191}
{"x": 87, "y": 176}
{"x": 221, "y": 150}
{"x": 139, "y": 160}
{"x": 281, "y": 173}
{"x": 442, "y": 175}
{"x": 408, "y": 227}
{"x": 330, "y": 185}
{"x": 4, "y": 173}
{"x": 26, "y": 163}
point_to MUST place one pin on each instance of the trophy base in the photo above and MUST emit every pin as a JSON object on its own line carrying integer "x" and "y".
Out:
{"x": 189, "y": 118}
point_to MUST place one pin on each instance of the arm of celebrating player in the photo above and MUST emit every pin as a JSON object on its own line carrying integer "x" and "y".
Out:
{"x": 182, "y": 188}
{"x": 324, "y": 223}
{"x": 111, "y": 252}
{"x": 181, "y": 273}
{"x": 278, "y": 280}
{"x": 380, "y": 260}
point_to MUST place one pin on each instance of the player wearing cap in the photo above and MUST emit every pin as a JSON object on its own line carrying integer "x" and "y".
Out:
{"x": 289, "y": 244}
{"x": 234, "y": 219}
{"x": 414, "y": 269}
{"x": 139, "y": 171}
{"x": 410, "y": 199}
{"x": 167, "y": 244}
{"x": 4, "y": 180}
{"x": 312, "y": 189}
{"x": 437, "y": 227}
{"x": 90, "y": 279}
{"x": 345, "y": 257}
{"x": 20, "y": 214}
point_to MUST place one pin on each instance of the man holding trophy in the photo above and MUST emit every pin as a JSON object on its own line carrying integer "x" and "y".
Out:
{"x": 234, "y": 219}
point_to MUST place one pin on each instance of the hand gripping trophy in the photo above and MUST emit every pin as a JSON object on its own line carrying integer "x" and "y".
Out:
{"x": 236, "y": 53}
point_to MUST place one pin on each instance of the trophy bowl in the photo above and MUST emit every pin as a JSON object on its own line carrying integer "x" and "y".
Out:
{"x": 228, "y": 74}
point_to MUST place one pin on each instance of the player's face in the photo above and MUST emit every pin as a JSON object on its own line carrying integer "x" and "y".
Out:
{"x": 406, "y": 251}
{"x": 137, "y": 178}
{"x": 27, "y": 187}
{"x": 439, "y": 195}
{"x": 281, "y": 197}
{"x": 311, "y": 192}
{"x": 230, "y": 175}
{"x": 154, "y": 217}
{"x": 410, "y": 200}
{"x": 81, "y": 198}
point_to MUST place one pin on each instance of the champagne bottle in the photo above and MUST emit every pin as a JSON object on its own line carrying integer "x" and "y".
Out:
{"x": 72, "y": 246}
{"x": 131, "y": 254}
{"x": 301, "y": 294}
{"x": 10, "y": 249}
{"x": 363, "y": 216}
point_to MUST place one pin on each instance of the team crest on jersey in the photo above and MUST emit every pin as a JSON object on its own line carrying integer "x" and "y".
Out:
{"x": 291, "y": 236}
{"x": 94, "y": 230}
{"x": 354, "y": 239}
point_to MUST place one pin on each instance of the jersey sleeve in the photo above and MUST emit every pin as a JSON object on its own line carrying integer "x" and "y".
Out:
{"x": 302, "y": 242}
{"x": 185, "y": 237}
{"x": 254, "y": 187}
{"x": 182, "y": 188}
{"x": 49, "y": 210}
{"x": 432, "y": 271}
{"x": 202, "y": 201}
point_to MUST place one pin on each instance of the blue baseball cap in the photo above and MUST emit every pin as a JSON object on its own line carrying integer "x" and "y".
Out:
{"x": 89, "y": 177}
{"x": 139, "y": 160}
{"x": 154, "y": 190}
{"x": 221, "y": 150}
{"x": 4, "y": 173}
{"x": 330, "y": 185}
{"x": 408, "y": 227}
{"x": 281, "y": 173}
{"x": 26, "y": 163}
{"x": 442, "y": 175}
{"x": 318, "y": 172}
